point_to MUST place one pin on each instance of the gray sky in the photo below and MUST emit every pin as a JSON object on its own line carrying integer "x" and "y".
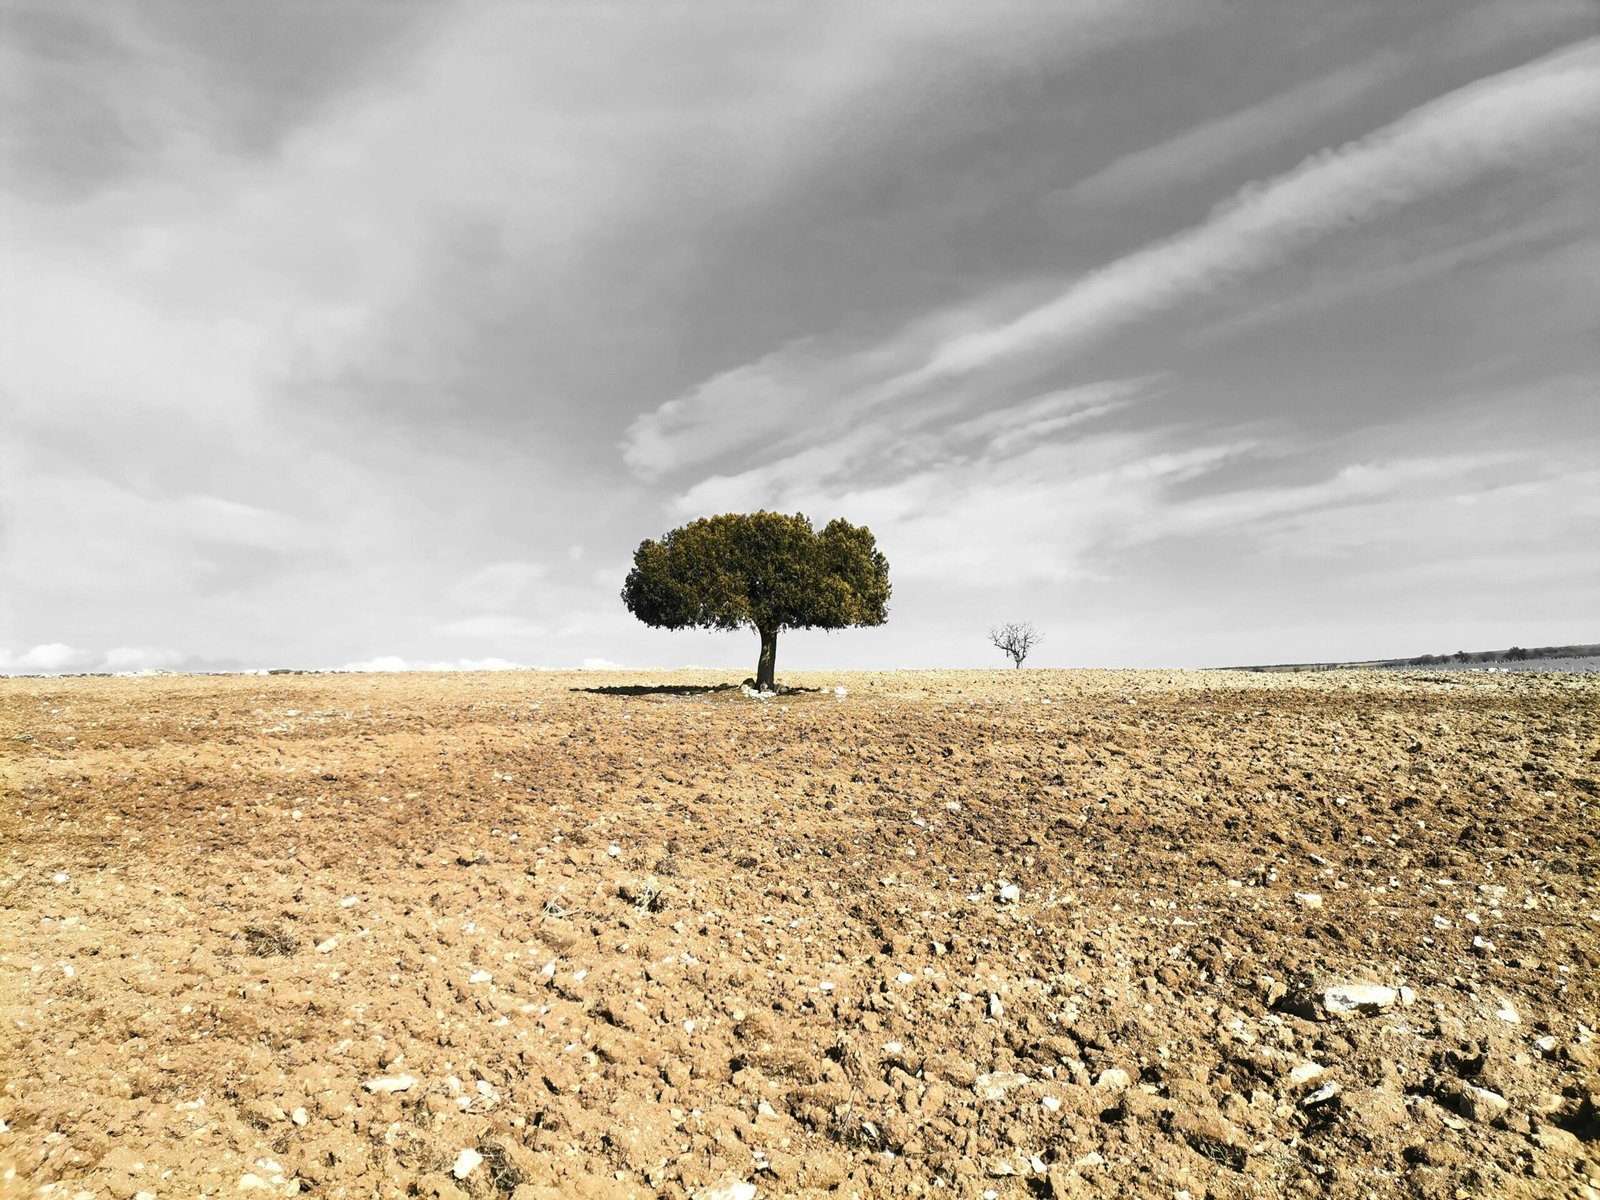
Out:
{"x": 352, "y": 331}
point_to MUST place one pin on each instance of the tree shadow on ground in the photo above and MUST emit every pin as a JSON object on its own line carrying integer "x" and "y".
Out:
{"x": 687, "y": 689}
{"x": 663, "y": 689}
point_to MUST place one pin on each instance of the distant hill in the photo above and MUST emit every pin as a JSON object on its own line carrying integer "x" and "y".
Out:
{"x": 1513, "y": 655}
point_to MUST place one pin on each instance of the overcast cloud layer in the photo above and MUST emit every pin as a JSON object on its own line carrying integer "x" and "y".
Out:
{"x": 380, "y": 334}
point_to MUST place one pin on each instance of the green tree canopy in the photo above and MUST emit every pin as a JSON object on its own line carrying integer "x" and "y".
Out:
{"x": 763, "y": 570}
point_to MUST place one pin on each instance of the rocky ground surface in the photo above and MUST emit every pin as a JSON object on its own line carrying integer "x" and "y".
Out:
{"x": 1026, "y": 934}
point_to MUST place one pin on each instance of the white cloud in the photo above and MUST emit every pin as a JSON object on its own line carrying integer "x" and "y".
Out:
{"x": 90, "y": 535}
{"x": 1464, "y": 513}
{"x": 497, "y": 586}
{"x": 492, "y": 625}
{"x": 1211, "y": 147}
{"x": 771, "y": 403}
{"x": 806, "y": 394}
{"x": 140, "y": 658}
{"x": 1028, "y": 510}
{"x": 49, "y": 657}
{"x": 1507, "y": 120}
{"x": 932, "y": 438}
{"x": 602, "y": 664}
{"x": 390, "y": 663}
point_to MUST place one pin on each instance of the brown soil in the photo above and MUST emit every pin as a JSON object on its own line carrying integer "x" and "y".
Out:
{"x": 642, "y": 942}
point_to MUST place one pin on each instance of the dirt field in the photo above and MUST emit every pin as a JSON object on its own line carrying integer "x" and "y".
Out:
{"x": 1007, "y": 934}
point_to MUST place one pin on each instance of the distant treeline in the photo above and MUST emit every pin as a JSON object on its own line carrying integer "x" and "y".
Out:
{"x": 1514, "y": 654}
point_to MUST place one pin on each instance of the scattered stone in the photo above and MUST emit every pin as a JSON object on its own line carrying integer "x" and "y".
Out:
{"x": 1358, "y": 999}
{"x": 1481, "y": 1104}
{"x": 996, "y": 1008}
{"x": 1305, "y": 1073}
{"x": 1321, "y": 1096}
{"x": 299, "y": 1117}
{"x": 1113, "y": 1079}
{"x": 996, "y": 1084}
{"x": 1051, "y": 1103}
{"x": 727, "y": 1190}
{"x": 1309, "y": 899}
{"x": 1507, "y": 1013}
{"x": 387, "y": 1085}
{"x": 1010, "y": 893}
{"x": 480, "y": 977}
{"x": 468, "y": 1161}
{"x": 328, "y": 946}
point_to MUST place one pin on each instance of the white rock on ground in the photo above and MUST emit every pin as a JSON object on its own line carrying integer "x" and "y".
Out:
{"x": 727, "y": 1190}
{"x": 996, "y": 1084}
{"x": 1323, "y": 1094}
{"x": 1482, "y": 1105}
{"x": 1306, "y": 1072}
{"x": 385, "y": 1085}
{"x": 1358, "y": 999}
{"x": 1113, "y": 1079}
{"x": 467, "y": 1162}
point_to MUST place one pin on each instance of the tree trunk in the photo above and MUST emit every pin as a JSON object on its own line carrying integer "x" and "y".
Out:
{"x": 767, "y": 664}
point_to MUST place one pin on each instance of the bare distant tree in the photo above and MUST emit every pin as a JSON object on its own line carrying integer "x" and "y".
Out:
{"x": 1016, "y": 638}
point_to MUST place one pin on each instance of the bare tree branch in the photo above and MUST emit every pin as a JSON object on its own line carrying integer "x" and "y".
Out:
{"x": 1016, "y": 639}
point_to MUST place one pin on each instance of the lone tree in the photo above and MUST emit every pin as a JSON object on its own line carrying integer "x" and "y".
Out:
{"x": 1016, "y": 638}
{"x": 763, "y": 570}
